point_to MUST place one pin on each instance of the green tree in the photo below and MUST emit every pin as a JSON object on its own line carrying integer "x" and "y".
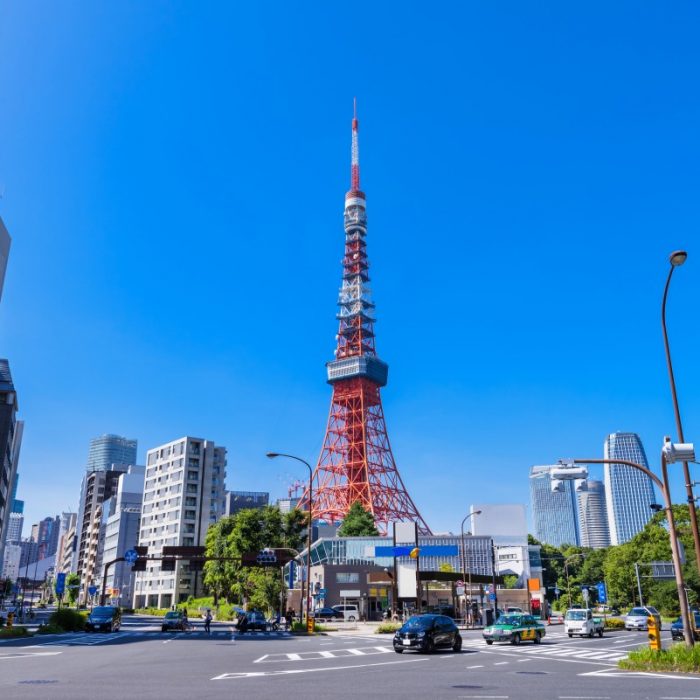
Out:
{"x": 72, "y": 584}
{"x": 358, "y": 523}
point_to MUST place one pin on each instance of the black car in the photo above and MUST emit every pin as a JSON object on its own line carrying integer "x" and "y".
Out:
{"x": 104, "y": 619}
{"x": 328, "y": 614}
{"x": 254, "y": 620}
{"x": 677, "y": 628}
{"x": 426, "y": 633}
{"x": 174, "y": 621}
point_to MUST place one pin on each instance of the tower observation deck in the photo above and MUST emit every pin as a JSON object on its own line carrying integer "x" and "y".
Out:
{"x": 356, "y": 462}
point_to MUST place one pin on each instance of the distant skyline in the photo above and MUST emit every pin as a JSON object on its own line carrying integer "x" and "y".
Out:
{"x": 173, "y": 182}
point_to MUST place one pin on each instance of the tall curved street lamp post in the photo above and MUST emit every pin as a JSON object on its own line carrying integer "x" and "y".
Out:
{"x": 272, "y": 455}
{"x": 464, "y": 557}
{"x": 677, "y": 258}
{"x": 670, "y": 453}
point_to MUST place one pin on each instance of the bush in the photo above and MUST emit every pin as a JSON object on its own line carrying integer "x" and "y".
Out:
{"x": 678, "y": 658}
{"x": 68, "y": 620}
{"x": 6, "y": 632}
{"x": 50, "y": 629}
{"x": 387, "y": 628}
{"x": 614, "y": 623}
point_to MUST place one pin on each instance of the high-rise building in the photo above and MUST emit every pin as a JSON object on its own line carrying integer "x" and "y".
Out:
{"x": 98, "y": 486}
{"x": 183, "y": 495}
{"x": 110, "y": 449}
{"x": 5, "y": 242}
{"x": 122, "y": 518}
{"x": 592, "y": 516}
{"x": 108, "y": 457}
{"x": 241, "y": 500}
{"x": 628, "y": 491}
{"x": 287, "y": 505}
{"x": 554, "y": 512}
{"x": 66, "y": 527}
{"x": 11, "y": 560}
{"x": 14, "y": 528}
{"x": 46, "y": 536}
{"x": 9, "y": 447}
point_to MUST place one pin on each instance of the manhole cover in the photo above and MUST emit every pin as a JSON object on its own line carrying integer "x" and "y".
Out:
{"x": 37, "y": 682}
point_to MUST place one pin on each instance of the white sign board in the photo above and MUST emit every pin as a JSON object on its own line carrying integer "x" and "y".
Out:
{"x": 350, "y": 594}
{"x": 406, "y": 579}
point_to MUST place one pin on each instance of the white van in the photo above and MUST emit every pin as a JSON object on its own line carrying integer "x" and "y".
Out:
{"x": 350, "y": 613}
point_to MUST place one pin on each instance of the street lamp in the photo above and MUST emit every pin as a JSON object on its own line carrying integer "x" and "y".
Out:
{"x": 669, "y": 453}
{"x": 677, "y": 258}
{"x": 464, "y": 557}
{"x": 566, "y": 571}
{"x": 272, "y": 455}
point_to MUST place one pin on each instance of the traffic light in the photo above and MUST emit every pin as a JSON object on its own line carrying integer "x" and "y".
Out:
{"x": 139, "y": 565}
{"x": 654, "y": 633}
{"x": 167, "y": 565}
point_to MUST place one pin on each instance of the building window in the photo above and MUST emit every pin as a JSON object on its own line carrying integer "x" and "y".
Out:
{"x": 347, "y": 577}
{"x": 190, "y": 515}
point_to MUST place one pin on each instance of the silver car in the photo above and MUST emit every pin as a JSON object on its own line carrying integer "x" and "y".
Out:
{"x": 636, "y": 619}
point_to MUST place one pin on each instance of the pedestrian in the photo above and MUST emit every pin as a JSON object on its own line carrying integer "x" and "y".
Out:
{"x": 207, "y": 621}
{"x": 289, "y": 618}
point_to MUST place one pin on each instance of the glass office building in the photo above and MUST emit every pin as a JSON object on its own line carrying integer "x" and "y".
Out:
{"x": 554, "y": 513}
{"x": 593, "y": 516}
{"x": 107, "y": 450}
{"x": 628, "y": 491}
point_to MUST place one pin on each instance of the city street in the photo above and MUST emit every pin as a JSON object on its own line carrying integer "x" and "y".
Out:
{"x": 140, "y": 661}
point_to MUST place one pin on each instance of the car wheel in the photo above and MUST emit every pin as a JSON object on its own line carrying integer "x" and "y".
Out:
{"x": 600, "y": 633}
{"x": 457, "y": 646}
{"x": 515, "y": 640}
{"x": 489, "y": 642}
{"x": 162, "y": 629}
{"x": 571, "y": 634}
{"x": 398, "y": 651}
{"x": 590, "y": 635}
{"x": 351, "y": 618}
{"x": 429, "y": 646}
{"x": 538, "y": 638}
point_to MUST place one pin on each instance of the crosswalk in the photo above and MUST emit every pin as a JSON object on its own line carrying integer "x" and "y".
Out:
{"x": 325, "y": 654}
{"x": 553, "y": 651}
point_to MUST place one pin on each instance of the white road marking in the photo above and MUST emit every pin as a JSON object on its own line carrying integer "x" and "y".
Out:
{"x": 468, "y": 667}
{"x": 501, "y": 663}
{"x": 618, "y": 674}
{"x": 259, "y": 674}
{"x": 20, "y": 655}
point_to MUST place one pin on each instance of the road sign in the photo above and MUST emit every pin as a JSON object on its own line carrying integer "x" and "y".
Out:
{"x": 322, "y": 592}
{"x": 602, "y": 592}
{"x": 459, "y": 590}
{"x": 290, "y": 580}
{"x": 492, "y": 596}
{"x": 92, "y": 590}
{"x": 557, "y": 592}
{"x": 60, "y": 583}
{"x": 585, "y": 593}
{"x": 130, "y": 556}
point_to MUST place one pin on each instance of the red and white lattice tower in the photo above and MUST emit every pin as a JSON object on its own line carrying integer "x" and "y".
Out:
{"x": 356, "y": 463}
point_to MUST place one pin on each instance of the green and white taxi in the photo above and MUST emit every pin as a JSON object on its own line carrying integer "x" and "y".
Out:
{"x": 515, "y": 629}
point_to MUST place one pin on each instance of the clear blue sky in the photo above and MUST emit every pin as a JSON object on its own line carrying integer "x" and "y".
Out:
{"x": 174, "y": 176}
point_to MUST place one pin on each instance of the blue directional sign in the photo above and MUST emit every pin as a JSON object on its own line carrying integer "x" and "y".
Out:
{"x": 602, "y": 592}
{"x": 60, "y": 583}
{"x": 557, "y": 592}
{"x": 130, "y": 556}
{"x": 492, "y": 596}
{"x": 447, "y": 550}
{"x": 92, "y": 590}
{"x": 322, "y": 592}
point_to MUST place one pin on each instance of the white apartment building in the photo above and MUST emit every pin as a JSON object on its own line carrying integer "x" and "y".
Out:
{"x": 184, "y": 493}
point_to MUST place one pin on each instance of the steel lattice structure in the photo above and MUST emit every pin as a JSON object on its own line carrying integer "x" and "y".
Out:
{"x": 356, "y": 462}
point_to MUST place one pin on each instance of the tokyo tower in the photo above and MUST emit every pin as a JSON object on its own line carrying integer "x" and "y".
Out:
{"x": 356, "y": 463}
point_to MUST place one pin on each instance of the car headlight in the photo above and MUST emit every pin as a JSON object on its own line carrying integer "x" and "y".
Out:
{"x": 420, "y": 634}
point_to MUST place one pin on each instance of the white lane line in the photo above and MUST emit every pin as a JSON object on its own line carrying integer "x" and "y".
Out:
{"x": 501, "y": 663}
{"x": 495, "y": 697}
{"x": 584, "y": 697}
{"x": 614, "y": 673}
{"x": 36, "y": 653}
{"x": 521, "y": 660}
{"x": 294, "y": 657}
{"x": 556, "y": 658}
{"x": 262, "y": 658}
{"x": 259, "y": 674}
{"x": 468, "y": 667}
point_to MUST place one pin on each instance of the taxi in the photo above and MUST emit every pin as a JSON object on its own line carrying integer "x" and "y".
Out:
{"x": 515, "y": 629}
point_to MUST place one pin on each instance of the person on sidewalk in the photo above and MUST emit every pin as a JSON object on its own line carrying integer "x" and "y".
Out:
{"x": 207, "y": 621}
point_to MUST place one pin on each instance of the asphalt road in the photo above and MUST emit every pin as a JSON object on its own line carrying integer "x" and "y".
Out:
{"x": 142, "y": 662}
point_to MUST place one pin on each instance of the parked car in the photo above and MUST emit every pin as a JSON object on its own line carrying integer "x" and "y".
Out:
{"x": 514, "y": 628}
{"x": 556, "y": 618}
{"x": 349, "y": 613}
{"x": 426, "y": 633}
{"x": 327, "y": 614}
{"x": 677, "y": 628}
{"x": 174, "y": 621}
{"x": 636, "y": 618}
{"x": 104, "y": 619}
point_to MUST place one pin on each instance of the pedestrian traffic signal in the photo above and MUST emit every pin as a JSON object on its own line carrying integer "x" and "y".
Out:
{"x": 654, "y": 633}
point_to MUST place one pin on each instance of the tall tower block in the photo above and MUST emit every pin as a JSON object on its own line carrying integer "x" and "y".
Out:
{"x": 356, "y": 462}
